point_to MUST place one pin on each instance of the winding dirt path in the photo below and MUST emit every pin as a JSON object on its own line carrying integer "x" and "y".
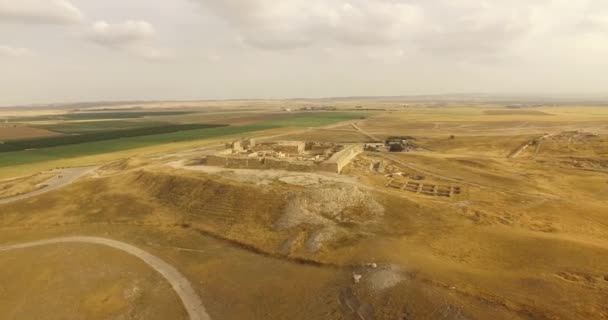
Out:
{"x": 63, "y": 178}
{"x": 181, "y": 285}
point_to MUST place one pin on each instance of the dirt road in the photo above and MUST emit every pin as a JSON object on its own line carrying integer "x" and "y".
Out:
{"x": 526, "y": 145}
{"x": 64, "y": 178}
{"x": 180, "y": 284}
{"x": 365, "y": 133}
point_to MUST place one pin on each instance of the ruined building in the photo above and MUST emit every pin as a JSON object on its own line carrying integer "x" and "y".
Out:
{"x": 286, "y": 155}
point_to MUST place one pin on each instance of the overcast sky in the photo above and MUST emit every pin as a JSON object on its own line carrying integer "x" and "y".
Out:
{"x": 86, "y": 50}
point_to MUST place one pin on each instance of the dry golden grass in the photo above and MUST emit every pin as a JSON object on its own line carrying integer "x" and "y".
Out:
{"x": 527, "y": 240}
{"x": 14, "y": 187}
{"x": 82, "y": 281}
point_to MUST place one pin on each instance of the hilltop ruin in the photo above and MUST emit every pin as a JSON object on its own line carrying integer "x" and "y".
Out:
{"x": 286, "y": 155}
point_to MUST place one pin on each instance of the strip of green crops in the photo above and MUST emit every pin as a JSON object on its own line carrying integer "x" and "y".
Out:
{"x": 101, "y": 147}
{"x": 21, "y": 145}
{"x": 99, "y": 126}
{"x": 101, "y": 115}
{"x": 316, "y": 119}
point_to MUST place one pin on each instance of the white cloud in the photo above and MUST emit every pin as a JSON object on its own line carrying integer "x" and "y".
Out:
{"x": 6, "y": 51}
{"x": 443, "y": 27}
{"x": 298, "y": 23}
{"x": 359, "y": 47}
{"x": 39, "y": 11}
{"x": 134, "y": 36}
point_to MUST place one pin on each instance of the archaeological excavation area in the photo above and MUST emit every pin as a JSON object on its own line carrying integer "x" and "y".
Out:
{"x": 422, "y": 212}
{"x": 285, "y": 155}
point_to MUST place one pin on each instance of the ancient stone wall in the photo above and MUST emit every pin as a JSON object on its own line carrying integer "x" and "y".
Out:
{"x": 335, "y": 164}
{"x": 328, "y": 167}
{"x": 256, "y": 163}
{"x": 300, "y": 166}
{"x": 342, "y": 158}
{"x": 289, "y": 147}
{"x": 216, "y": 161}
{"x": 277, "y": 164}
{"x": 237, "y": 163}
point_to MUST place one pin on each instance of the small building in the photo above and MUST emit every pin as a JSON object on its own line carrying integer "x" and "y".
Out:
{"x": 400, "y": 143}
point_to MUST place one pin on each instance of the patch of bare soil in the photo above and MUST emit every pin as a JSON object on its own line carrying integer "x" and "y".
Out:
{"x": 327, "y": 209}
{"x": 385, "y": 278}
{"x": 15, "y": 132}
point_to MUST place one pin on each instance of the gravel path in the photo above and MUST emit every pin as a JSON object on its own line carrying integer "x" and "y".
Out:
{"x": 180, "y": 284}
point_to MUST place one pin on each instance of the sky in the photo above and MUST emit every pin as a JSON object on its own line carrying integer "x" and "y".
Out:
{"x": 91, "y": 50}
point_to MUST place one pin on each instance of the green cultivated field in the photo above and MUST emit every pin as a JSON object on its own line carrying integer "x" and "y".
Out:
{"x": 99, "y": 116}
{"x": 99, "y": 138}
{"x": 97, "y": 126}
{"x": 316, "y": 119}
{"x": 21, "y": 145}
{"x": 100, "y": 147}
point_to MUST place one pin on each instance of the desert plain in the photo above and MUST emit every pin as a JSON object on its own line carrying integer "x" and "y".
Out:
{"x": 489, "y": 211}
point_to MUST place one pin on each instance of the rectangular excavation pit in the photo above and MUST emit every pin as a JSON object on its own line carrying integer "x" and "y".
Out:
{"x": 394, "y": 185}
{"x": 429, "y": 188}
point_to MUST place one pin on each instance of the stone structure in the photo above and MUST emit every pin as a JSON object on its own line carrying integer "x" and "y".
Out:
{"x": 289, "y": 147}
{"x": 342, "y": 158}
{"x": 286, "y": 155}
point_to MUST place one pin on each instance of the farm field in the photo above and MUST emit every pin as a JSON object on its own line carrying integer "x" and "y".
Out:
{"x": 97, "y": 126}
{"x": 316, "y": 119}
{"x": 101, "y": 147}
{"x": 14, "y": 132}
{"x": 490, "y": 213}
{"x": 101, "y": 137}
{"x": 96, "y": 116}
{"x": 41, "y": 143}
